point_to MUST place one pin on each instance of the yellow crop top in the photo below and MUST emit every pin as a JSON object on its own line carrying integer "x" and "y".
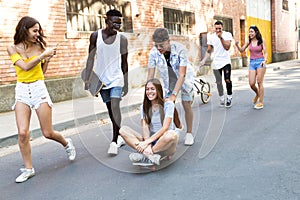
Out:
{"x": 34, "y": 74}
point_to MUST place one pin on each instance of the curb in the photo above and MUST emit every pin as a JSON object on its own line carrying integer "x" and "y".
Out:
{"x": 35, "y": 133}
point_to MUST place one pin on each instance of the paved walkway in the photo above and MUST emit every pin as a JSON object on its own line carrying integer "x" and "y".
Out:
{"x": 66, "y": 114}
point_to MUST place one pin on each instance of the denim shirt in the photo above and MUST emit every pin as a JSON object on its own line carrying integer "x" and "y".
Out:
{"x": 178, "y": 57}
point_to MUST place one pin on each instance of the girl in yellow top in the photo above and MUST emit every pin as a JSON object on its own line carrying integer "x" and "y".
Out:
{"x": 30, "y": 58}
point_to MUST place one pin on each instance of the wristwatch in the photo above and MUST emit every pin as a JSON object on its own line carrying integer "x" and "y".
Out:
{"x": 175, "y": 93}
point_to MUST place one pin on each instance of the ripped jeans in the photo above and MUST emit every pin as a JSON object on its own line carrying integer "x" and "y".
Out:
{"x": 218, "y": 75}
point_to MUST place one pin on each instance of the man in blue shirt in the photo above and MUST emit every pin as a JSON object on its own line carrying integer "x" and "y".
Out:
{"x": 170, "y": 58}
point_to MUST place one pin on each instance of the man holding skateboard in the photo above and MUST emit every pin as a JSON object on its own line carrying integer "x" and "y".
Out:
{"x": 110, "y": 50}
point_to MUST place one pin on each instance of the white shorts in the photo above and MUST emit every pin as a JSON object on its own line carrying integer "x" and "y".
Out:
{"x": 32, "y": 94}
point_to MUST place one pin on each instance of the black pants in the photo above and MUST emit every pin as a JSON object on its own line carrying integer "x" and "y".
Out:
{"x": 218, "y": 76}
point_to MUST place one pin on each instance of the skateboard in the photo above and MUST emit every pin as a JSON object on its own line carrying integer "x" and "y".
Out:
{"x": 150, "y": 166}
{"x": 145, "y": 165}
{"x": 95, "y": 83}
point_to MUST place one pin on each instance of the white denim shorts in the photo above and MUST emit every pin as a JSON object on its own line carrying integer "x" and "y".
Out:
{"x": 32, "y": 94}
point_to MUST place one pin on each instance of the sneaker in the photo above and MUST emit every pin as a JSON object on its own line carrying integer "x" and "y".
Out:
{"x": 178, "y": 131}
{"x": 258, "y": 106}
{"x": 228, "y": 103}
{"x": 120, "y": 141}
{"x": 70, "y": 149}
{"x": 255, "y": 99}
{"x": 154, "y": 158}
{"x": 113, "y": 149}
{"x": 189, "y": 139}
{"x": 222, "y": 102}
{"x": 25, "y": 175}
{"x": 137, "y": 157}
{"x": 141, "y": 158}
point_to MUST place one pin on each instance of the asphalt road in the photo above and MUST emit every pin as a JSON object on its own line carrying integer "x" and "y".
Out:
{"x": 256, "y": 156}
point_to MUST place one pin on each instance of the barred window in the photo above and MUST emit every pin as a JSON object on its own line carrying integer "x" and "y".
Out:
{"x": 227, "y": 23}
{"x": 89, "y": 15}
{"x": 285, "y": 5}
{"x": 179, "y": 22}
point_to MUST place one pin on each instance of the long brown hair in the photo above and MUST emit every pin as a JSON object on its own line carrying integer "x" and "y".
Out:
{"x": 21, "y": 34}
{"x": 147, "y": 103}
{"x": 257, "y": 34}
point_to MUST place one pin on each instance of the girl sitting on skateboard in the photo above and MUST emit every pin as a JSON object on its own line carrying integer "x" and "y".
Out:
{"x": 158, "y": 135}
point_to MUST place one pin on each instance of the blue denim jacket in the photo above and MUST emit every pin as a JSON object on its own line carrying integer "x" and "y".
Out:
{"x": 178, "y": 58}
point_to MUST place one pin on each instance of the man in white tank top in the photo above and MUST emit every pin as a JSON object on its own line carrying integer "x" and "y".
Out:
{"x": 110, "y": 50}
{"x": 220, "y": 42}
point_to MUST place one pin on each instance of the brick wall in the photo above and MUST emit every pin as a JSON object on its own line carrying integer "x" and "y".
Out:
{"x": 285, "y": 40}
{"x": 72, "y": 53}
{"x": 284, "y": 31}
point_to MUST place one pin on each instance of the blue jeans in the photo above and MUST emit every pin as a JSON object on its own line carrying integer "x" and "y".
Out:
{"x": 108, "y": 94}
{"x": 256, "y": 63}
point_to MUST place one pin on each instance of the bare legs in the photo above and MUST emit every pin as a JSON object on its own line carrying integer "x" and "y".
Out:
{"x": 23, "y": 113}
{"x": 260, "y": 80}
{"x": 167, "y": 143}
{"x": 257, "y": 76}
{"x": 130, "y": 136}
{"x": 189, "y": 115}
{"x": 44, "y": 113}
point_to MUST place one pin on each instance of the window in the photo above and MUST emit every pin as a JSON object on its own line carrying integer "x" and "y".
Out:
{"x": 89, "y": 15}
{"x": 227, "y": 23}
{"x": 178, "y": 22}
{"x": 285, "y": 5}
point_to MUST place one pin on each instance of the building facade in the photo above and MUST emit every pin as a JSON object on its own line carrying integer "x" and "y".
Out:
{"x": 284, "y": 29}
{"x": 71, "y": 22}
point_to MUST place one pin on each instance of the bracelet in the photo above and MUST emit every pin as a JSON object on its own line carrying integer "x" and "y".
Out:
{"x": 174, "y": 93}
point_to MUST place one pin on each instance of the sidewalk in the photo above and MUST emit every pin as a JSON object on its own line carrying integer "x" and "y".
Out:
{"x": 67, "y": 114}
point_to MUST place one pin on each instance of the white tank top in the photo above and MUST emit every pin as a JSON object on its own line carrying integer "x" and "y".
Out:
{"x": 108, "y": 62}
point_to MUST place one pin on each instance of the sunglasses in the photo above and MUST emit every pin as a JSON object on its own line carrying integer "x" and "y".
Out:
{"x": 252, "y": 26}
{"x": 115, "y": 24}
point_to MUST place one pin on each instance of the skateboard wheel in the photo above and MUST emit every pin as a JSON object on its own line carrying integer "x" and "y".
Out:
{"x": 169, "y": 157}
{"x": 153, "y": 168}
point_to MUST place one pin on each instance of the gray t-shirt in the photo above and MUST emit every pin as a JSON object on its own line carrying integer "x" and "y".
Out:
{"x": 155, "y": 120}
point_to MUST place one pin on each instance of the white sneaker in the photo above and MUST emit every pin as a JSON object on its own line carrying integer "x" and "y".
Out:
{"x": 113, "y": 149}
{"x": 179, "y": 130}
{"x": 154, "y": 158}
{"x": 70, "y": 149}
{"x": 120, "y": 141}
{"x": 222, "y": 101}
{"x": 189, "y": 139}
{"x": 137, "y": 157}
{"x": 25, "y": 175}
